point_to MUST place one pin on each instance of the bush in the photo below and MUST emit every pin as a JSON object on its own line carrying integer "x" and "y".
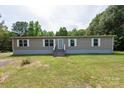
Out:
{"x": 25, "y": 62}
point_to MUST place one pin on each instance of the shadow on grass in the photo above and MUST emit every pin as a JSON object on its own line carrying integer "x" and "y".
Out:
{"x": 118, "y": 53}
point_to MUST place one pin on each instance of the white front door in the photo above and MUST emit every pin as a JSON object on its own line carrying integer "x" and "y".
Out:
{"x": 60, "y": 44}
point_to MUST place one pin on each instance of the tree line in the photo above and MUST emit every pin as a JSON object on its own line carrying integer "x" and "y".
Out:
{"x": 109, "y": 22}
{"x": 33, "y": 28}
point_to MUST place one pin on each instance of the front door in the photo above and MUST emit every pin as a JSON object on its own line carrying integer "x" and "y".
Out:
{"x": 60, "y": 44}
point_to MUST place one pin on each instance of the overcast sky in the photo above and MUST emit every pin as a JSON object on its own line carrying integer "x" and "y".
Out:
{"x": 52, "y": 17}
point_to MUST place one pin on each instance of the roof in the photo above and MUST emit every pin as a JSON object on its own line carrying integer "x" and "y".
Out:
{"x": 62, "y": 36}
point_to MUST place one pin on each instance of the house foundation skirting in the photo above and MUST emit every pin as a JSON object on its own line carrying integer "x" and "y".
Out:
{"x": 66, "y": 52}
{"x": 33, "y": 52}
{"x": 87, "y": 51}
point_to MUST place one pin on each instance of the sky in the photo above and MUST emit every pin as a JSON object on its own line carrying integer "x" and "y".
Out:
{"x": 51, "y": 17}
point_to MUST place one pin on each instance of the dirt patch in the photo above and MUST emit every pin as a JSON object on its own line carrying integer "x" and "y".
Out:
{"x": 4, "y": 62}
{"x": 87, "y": 85}
{"x": 37, "y": 64}
{"x": 3, "y": 77}
{"x": 98, "y": 86}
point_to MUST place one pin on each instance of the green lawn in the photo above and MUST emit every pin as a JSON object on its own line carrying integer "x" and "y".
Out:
{"x": 90, "y": 70}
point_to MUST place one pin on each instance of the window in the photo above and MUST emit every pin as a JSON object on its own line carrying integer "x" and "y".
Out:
{"x": 51, "y": 42}
{"x": 72, "y": 42}
{"x": 95, "y": 42}
{"x": 48, "y": 42}
{"x": 20, "y": 43}
{"x": 23, "y": 43}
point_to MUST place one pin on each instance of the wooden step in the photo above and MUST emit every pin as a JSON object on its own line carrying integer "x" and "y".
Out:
{"x": 59, "y": 52}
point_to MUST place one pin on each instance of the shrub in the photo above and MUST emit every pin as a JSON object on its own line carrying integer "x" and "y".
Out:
{"x": 25, "y": 62}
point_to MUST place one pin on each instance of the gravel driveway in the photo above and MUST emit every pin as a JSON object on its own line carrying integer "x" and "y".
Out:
{"x": 3, "y": 63}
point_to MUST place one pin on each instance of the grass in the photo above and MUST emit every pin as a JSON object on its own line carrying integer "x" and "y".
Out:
{"x": 90, "y": 70}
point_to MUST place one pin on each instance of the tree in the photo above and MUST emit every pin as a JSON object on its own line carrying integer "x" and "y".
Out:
{"x": 62, "y": 32}
{"x": 31, "y": 30}
{"x": 48, "y": 33}
{"x": 81, "y": 32}
{"x": 34, "y": 29}
{"x": 5, "y": 40}
{"x": 44, "y": 33}
{"x": 110, "y": 22}
{"x": 20, "y": 28}
{"x": 57, "y": 33}
{"x": 75, "y": 32}
{"x": 37, "y": 28}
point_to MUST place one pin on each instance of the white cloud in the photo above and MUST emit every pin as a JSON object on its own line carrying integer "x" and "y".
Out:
{"x": 61, "y": 2}
{"x": 70, "y": 16}
{"x": 52, "y": 17}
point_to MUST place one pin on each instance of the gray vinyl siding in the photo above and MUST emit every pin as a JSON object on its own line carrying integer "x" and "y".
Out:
{"x": 85, "y": 43}
{"x": 83, "y": 46}
{"x": 34, "y": 44}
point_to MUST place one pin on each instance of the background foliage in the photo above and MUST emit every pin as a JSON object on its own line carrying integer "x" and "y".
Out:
{"x": 110, "y": 22}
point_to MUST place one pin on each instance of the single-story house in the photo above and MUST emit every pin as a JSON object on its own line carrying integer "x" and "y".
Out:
{"x": 63, "y": 44}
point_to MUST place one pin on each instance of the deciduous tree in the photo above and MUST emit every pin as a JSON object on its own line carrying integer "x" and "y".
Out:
{"x": 110, "y": 22}
{"x": 20, "y": 28}
{"x": 62, "y": 32}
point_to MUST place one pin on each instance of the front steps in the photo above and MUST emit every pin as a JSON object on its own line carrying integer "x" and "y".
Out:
{"x": 59, "y": 52}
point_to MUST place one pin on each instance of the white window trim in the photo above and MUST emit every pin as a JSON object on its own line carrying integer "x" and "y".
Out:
{"x": 92, "y": 42}
{"x": 18, "y": 43}
{"x": 75, "y": 42}
{"x": 28, "y": 43}
{"x": 54, "y": 42}
{"x": 43, "y": 40}
{"x": 99, "y": 42}
{"x": 48, "y": 42}
{"x": 23, "y": 42}
{"x": 69, "y": 42}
